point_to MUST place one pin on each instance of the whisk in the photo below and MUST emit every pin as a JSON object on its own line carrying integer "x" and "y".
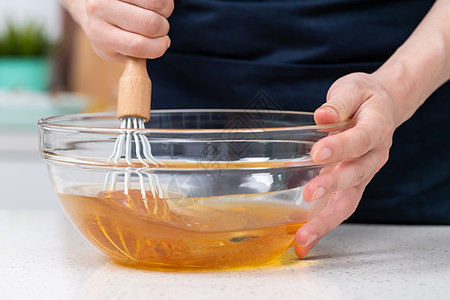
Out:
{"x": 133, "y": 109}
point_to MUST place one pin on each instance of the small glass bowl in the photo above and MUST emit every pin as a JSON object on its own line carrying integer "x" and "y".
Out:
{"x": 232, "y": 183}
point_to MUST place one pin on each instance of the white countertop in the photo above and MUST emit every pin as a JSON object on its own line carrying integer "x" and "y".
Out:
{"x": 43, "y": 257}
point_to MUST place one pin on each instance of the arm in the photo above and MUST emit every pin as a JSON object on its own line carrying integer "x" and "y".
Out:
{"x": 377, "y": 103}
{"x": 421, "y": 64}
{"x": 120, "y": 28}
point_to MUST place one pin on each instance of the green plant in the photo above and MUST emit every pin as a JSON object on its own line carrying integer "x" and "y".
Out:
{"x": 28, "y": 39}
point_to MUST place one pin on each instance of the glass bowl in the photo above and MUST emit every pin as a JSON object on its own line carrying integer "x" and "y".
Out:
{"x": 231, "y": 183}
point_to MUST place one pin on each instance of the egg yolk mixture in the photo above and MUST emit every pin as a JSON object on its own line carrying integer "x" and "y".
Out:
{"x": 159, "y": 233}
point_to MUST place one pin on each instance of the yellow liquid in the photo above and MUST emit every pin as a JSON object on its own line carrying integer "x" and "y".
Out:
{"x": 215, "y": 232}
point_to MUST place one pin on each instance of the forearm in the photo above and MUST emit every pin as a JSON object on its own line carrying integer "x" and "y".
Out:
{"x": 421, "y": 64}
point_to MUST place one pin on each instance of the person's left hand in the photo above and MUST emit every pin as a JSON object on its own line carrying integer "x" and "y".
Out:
{"x": 363, "y": 150}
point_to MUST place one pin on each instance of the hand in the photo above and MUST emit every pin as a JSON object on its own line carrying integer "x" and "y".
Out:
{"x": 363, "y": 150}
{"x": 120, "y": 28}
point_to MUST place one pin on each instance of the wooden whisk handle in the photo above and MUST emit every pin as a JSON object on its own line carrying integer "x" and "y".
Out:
{"x": 135, "y": 89}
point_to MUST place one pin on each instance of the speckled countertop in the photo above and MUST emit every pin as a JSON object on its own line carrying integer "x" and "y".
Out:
{"x": 43, "y": 257}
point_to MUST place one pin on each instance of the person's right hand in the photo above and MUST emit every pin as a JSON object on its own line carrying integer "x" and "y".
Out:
{"x": 120, "y": 28}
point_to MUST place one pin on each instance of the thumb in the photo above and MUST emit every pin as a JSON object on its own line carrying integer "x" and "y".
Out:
{"x": 344, "y": 98}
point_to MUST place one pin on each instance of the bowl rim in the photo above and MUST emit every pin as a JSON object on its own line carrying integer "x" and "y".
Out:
{"x": 48, "y": 122}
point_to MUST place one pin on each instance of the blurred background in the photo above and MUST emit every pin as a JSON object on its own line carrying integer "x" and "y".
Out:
{"x": 47, "y": 68}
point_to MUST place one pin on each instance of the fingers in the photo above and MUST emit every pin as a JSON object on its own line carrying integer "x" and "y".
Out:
{"x": 135, "y": 19}
{"x": 131, "y": 45}
{"x": 302, "y": 251}
{"x": 136, "y": 28}
{"x": 352, "y": 143}
{"x": 341, "y": 206}
{"x": 343, "y": 99}
{"x": 163, "y": 7}
{"x": 358, "y": 152}
{"x": 347, "y": 174}
{"x": 372, "y": 129}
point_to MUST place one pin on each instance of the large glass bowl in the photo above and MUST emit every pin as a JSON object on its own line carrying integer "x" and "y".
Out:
{"x": 232, "y": 184}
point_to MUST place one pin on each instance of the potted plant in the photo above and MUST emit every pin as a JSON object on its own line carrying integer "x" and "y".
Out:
{"x": 24, "y": 57}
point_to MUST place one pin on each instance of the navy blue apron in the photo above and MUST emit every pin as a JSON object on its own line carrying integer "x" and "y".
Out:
{"x": 229, "y": 53}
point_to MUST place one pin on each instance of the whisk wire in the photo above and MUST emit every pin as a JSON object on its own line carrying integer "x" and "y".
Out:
{"x": 128, "y": 142}
{"x": 127, "y": 183}
{"x": 155, "y": 186}
{"x": 138, "y": 139}
{"x": 148, "y": 152}
{"x": 118, "y": 149}
{"x": 111, "y": 179}
{"x": 142, "y": 185}
{"x": 123, "y": 148}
